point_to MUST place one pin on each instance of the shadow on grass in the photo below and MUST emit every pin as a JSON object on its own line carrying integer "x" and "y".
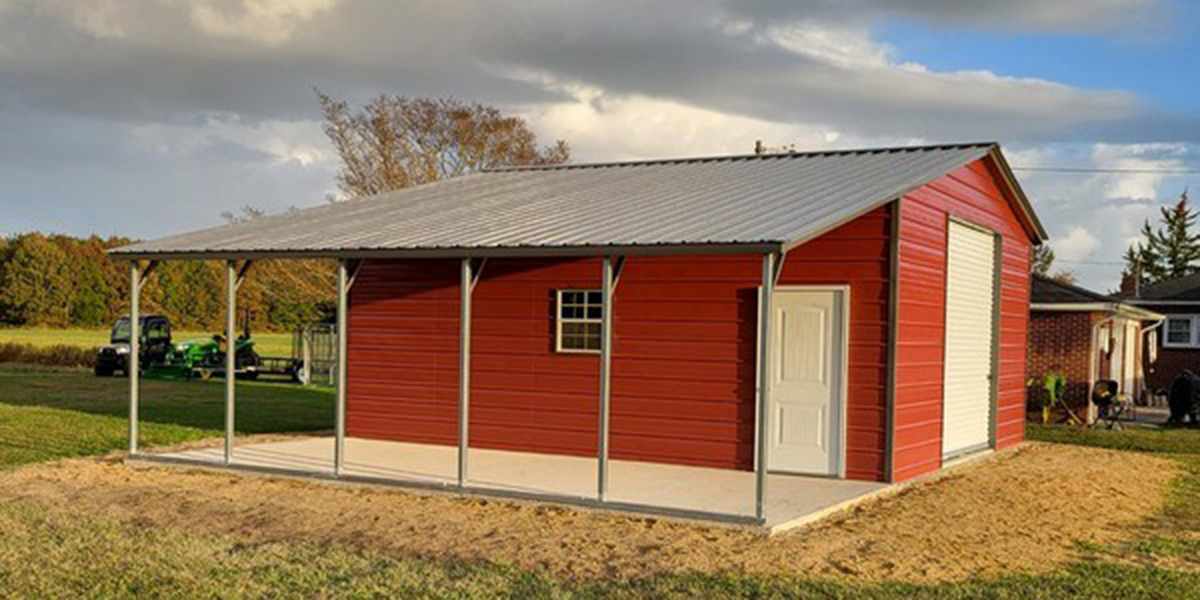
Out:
{"x": 1166, "y": 440}
{"x": 261, "y": 407}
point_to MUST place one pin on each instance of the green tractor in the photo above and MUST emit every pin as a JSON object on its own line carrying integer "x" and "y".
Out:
{"x": 204, "y": 357}
{"x": 194, "y": 359}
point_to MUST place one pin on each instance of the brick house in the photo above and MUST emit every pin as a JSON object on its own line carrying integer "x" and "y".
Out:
{"x": 1090, "y": 337}
{"x": 1179, "y": 345}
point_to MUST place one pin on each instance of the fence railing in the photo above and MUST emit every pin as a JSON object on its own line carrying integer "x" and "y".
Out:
{"x": 315, "y": 346}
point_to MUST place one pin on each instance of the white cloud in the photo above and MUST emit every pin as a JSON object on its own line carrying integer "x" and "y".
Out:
{"x": 1076, "y": 244}
{"x": 269, "y": 22}
{"x": 302, "y": 142}
{"x": 1094, "y": 217}
{"x": 1134, "y": 157}
{"x": 848, "y": 47}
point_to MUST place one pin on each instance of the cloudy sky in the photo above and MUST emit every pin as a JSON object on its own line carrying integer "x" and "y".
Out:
{"x": 147, "y": 117}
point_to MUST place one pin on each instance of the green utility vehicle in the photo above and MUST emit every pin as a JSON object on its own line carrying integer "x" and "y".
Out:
{"x": 155, "y": 345}
{"x": 193, "y": 359}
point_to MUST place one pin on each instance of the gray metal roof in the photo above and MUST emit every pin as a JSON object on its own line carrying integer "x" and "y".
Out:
{"x": 701, "y": 204}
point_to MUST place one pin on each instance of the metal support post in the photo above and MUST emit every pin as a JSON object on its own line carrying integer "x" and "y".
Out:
{"x": 135, "y": 348}
{"x": 343, "y": 318}
{"x": 606, "y": 321}
{"x": 230, "y": 354}
{"x": 467, "y": 284}
{"x": 763, "y": 409}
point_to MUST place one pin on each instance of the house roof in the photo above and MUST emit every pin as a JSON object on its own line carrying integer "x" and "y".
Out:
{"x": 1048, "y": 295}
{"x": 733, "y": 203}
{"x": 1045, "y": 290}
{"x": 1180, "y": 289}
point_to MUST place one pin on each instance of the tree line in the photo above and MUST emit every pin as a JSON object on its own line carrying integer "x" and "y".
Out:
{"x": 390, "y": 142}
{"x": 64, "y": 281}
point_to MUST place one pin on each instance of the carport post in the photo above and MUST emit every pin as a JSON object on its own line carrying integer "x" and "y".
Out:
{"x": 606, "y": 312}
{"x": 135, "y": 348}
{"x": 230, "y": 354}
{"x": 467, "y": 284}
{"x": 764, "y": 348}
{"x": 339, "y": 428}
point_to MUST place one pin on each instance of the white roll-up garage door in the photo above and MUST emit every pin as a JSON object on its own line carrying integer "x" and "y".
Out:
{"x": 970, "y": 323}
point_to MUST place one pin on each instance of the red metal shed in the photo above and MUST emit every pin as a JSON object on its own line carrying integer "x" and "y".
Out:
{"x": 631, "y": 310}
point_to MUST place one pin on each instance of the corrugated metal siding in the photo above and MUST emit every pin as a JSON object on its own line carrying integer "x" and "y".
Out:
{"x": 683, "y": 364}
{"x": 969, "y": 193}
{"x": 683, "y": 353}
{"x": 524, "y": 395}
{"x": 857, "y": 254}
{"x": 725, "y": 200}
{"x": 403, "y": 351}
{"x": 683, "y": 360}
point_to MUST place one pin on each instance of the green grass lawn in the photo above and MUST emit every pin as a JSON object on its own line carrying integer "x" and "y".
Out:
{"x": 49, "y": 413}
{"x": 268, "y": 344}
{"x": 53, "y": 552}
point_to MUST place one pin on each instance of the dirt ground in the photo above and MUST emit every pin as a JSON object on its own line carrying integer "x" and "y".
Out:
{"x": 1018, "y": 511}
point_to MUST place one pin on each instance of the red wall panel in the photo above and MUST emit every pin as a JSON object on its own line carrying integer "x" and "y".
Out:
{"x": 684, "y": 343}
{"x": 857, "y": 254}
{"x": 970, "y": 193}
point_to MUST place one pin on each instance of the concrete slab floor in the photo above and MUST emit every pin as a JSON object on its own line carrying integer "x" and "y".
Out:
{"x": 792, "y": 500}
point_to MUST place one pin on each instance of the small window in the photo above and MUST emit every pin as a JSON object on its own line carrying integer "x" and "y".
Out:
{"x": 579, "y": 320}
{"x": 157, "y": 330}
{"x": 1181, "y": 332}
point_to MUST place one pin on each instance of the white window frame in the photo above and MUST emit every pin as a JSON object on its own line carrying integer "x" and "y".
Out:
{"x": 559, "y": 319}
{"x": 1194, "y": 332}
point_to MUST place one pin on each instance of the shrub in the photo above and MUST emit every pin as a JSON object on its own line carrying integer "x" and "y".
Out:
{"x": 60, "y": 355}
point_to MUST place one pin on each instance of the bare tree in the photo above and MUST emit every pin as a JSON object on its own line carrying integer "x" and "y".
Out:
{"x": 395, "y": 142}
{"x": 248, "y": 213}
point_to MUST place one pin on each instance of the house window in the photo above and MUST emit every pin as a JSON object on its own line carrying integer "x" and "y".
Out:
{"x": 579, "y": 320}
{"x": 1182, "y": 331}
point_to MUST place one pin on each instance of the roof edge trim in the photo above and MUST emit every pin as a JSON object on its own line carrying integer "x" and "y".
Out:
{"x": 495, "y": 252}
{"x": 1014, "y": 186}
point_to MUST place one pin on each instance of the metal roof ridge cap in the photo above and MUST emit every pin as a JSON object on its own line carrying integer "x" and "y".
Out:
{"x": 737, "y": 157}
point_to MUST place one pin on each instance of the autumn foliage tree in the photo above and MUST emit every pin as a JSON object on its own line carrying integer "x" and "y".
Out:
{"x": 63, "y": 281}
{"x": 394, "y": 142}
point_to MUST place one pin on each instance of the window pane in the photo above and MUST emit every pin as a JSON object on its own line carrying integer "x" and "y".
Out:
{"x": 593, "y": 336}
{"x": 1179, "y": 331}
{"x": 579, "y": 317}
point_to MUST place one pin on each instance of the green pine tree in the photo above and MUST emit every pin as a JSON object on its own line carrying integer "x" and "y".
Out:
{"x": 1173, "y": 250}
{"x": 1041, "y": 259}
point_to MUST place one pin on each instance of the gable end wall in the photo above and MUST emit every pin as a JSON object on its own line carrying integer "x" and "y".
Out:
{"x": 970, "y": 193}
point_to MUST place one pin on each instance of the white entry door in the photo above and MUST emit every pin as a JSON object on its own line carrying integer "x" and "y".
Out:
{"x": 970, "y": 324}
{"x": 807, "y": 341}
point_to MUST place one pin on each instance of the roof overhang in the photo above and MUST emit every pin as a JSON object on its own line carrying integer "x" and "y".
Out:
{"x": 1031, "y": 220}
{"x": 1141, "y": 302}
{"x": 322, "y": 233}
{"x": 477, "y": 252}
{"x": 1114, "y": 308}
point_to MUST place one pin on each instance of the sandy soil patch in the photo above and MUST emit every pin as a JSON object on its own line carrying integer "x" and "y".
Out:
{"x": 1020, "y": 511}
